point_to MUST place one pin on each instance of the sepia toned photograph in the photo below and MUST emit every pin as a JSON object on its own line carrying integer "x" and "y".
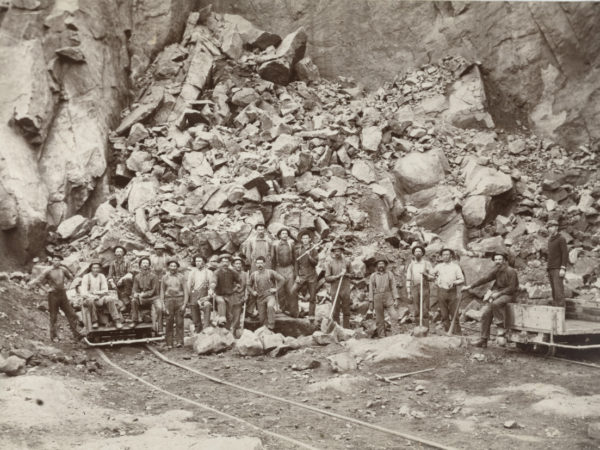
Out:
{"x": 299, "y": 224}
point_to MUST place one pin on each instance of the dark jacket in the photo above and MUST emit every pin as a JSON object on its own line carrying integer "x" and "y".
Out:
{"x": 506, "y": 281}
{"x": 558, "y": 254}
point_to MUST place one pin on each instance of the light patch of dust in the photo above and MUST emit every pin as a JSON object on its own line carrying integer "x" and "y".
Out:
{"x": 400, "y": 346}
{"x": 465, "y": 425}
{"x": 537, "y": 389}
{"x": 345, "y": 383}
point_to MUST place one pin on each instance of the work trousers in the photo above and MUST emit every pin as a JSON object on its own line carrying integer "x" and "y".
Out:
{"x": 200, "y": 307}
{"x": 175, "y": 317}
{"x": 448, "y": 302}
{"x": 221, "y": 302}
{"x": 266, "y": 310}
{"x": 156, "y": 311}
{"x": 416, "y": 294}
{"x": 384, "y": 303}
{"x": 557, "y": 286}
{"x": 124, "y": 294}
{"x": 495, "y": 309}
{"x": 343, "y": 302}
{"x": 284, "y": 295}
{"x": 58, "y": 300}
{"x": 92, "y": 304}
{"x": 309, "y": 283}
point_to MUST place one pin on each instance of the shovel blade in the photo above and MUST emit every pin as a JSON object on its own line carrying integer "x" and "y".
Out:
{"x": 420, "y": 331}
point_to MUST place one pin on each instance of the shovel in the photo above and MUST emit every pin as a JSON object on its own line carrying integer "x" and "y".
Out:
{"x": 243, "y": 319}
{"x": 328, "y": 325}
{"x": 451, "y": 329}
{"x": 214, "y": 315}
{"x": 420, "y": 331}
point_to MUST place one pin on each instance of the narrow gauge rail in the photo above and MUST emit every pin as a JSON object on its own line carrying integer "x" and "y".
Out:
{"x": 193, "y": 374}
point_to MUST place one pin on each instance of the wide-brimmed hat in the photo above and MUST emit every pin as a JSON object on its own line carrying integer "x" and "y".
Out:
{"x": 416, "y": 246}
{"x": 282, "y": 229}
{"x": 159, "y": 245}
{"x": 303, "y": 232}
{"x": 144, "y": 258}
{"x": 500, "y": 252}
{"x": 173, "y": 261}
{"x": 224, "y": 256}
{"x": 448, "y": 249}
{"x": 552, "y": 222}
{"x": 57, "y": 255}
{"x": 259, "y": 224}
{"x": 262, "y": 258}
{"x": 381, "y": 258}
{"x": 337, "y": 246}
{"x": 94, "y": 262}
{"x": 237, "y": 258}
{"x": 121, "y": 247}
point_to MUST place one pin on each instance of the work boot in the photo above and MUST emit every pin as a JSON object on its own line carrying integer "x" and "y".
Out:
{"x": 95, "y": 325}
{"x": 134, "y": 324}
{"x": 118, "y": 325}
{"x": 481, "y": 343}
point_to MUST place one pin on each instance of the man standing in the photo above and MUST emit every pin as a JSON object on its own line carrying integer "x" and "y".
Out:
{"x": 283, "y": 258}
{"x": 159, "y": 260}
{"x": 95, "y": 293}
{"x": 337, "y": 271}
{"x": 146, "y": 289}
{"x": 120, "y": 277}
{"x": 199, "y": 281}
{"x": 448, "y": 278}
{"x": 305, "y": 270}
{"x": 383, "y": 296}
{"x": 174, "y": 295}
{"x": 419, "y": 271}
{"x": 55, "y": 277}
{"x": 259, "y": 245}
{"x": 503, "y": 291}
{"x": 558, "y": 257}
{"x": 223, "y": 287}
{"x": 263, "y": 285}
{"x": 239, "y": 297}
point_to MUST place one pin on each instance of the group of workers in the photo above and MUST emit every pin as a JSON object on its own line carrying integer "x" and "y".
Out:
{"x": 279, "y": 271}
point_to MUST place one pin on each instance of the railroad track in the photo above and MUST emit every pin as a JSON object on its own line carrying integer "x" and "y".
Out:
{"x": 289, "y": 409}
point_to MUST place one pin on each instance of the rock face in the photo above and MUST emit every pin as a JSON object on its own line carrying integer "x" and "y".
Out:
{"x": 54, "y": 147}
{"x": 533, "y": 54}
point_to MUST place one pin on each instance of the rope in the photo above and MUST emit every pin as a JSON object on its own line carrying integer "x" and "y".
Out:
{"x": 107, "y": 360}
{"x": 300, "y": 405}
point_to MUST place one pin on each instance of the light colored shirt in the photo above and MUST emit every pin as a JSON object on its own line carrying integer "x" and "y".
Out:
{"x": 200, "y": 279}
{"x": 91, "y": 284}
{"x": 415, "y": 270}
{"x": 448, "y": 275}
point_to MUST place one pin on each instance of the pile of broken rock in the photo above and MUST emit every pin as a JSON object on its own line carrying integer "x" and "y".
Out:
{"x": 233, "y": 126}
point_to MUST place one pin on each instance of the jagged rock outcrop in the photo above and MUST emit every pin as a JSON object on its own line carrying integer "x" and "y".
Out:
{"x": 66, "y": 77}
{"x": 540, "y": 63}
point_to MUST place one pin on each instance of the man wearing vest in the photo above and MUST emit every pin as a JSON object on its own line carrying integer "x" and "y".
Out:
{"x": 383, "y": 296}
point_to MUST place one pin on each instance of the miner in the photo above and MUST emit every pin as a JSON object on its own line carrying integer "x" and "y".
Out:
{"x": 503, "y": 291}
{"x": 146, "y": 292}
{"x": 97, "y": 297}
{"x": 120, "y": 277}
{"x": 174, "y": 295}
{"x": 337, "y": 274}
{"x": 199, "y": 281}
{"x": 418, "y": 274}
{"x": 223, "y": 287}
{"x": 383, "y": 296}
{"x": 55, "y": 277}
{"x": 558, "y": 257}
{"x": 239, "y": 297}
{"x": 263, "y": 285}
{"x": 283, "y": 256}
{"x": 306, "y": 270}
{"x": 448, "y": 279}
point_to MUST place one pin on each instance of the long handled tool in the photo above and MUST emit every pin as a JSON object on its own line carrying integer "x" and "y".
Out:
{"x": 243, "y": 316}
{"x": 421, "y": 331}
{"x": 309, "y": 250}
{"x": 327, "y": 325}
{"x": 451, "y": 329}
{"x": 214, "y": 315}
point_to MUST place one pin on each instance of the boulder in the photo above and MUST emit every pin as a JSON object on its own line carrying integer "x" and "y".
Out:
{"x": 12, "y": 366}
{"x": 417, "y": 171}
{"x": 342, "y": 362}
{"x": 22, "y": 353}
{"x": 251, "y": 36}
{"x": 474, "y": 209}
{"x": 337, "y": 185}
{"x": 249, "y": 344}
{"x": 487, "y": 245}
{"x": 147, "y": 106}
{"x": 586, "y": 203}
{"x": 269, "y": 339}
{"x": 104, "y": 213}
{"x": 245, "y": 96}
{"x": 197, "y": 164}
{"x": 480, "y": 180}
{"x": 517, "y": 146}
{"x": 364, "y": 171}
{"x": 232, "y": 44}
{"x": 140, "y": 162}
{"x": 213, "y": 340}
{"x": 144, "y": 190}
{"x": 9, "y": 212}
{"x": 285, "y": 144}
{"x": 137, "y": 133}
{"x": 467, "y": 103}
{"x": 73, "y": 227}
{"x": 435, "y": 207}
{"x": 370, "y": 138}
{"x": 279, "y": 66}
{"x": 307, "y": 70}
{"x": 321, "y": 338}
{"x": 593, "y": 430}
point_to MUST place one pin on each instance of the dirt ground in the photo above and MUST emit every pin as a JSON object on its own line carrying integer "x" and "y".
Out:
{"x": 466, "y": 402}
